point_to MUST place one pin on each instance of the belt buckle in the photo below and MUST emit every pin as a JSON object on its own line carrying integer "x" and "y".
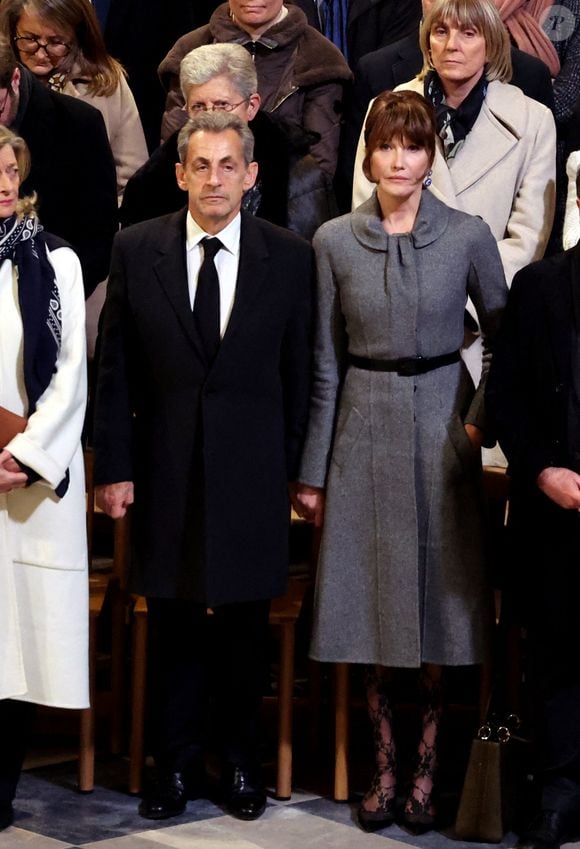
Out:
{"x": 407, "y": 366}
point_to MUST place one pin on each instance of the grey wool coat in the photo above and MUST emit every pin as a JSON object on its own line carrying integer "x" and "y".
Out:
{"x": 401, "y": 578}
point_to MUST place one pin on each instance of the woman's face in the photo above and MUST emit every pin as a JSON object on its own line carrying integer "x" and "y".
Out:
{"x": 41, "y": 61}
{"x": 9, "y": 181}
{"x": 255, "y": 15}
{"x": 399, "y": 167}
{"x": 458, "y": 53}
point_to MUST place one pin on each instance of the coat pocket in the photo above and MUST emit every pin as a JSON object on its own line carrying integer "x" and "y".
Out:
{"x": 47, "y": 531}
{"x": 347, "y": 434}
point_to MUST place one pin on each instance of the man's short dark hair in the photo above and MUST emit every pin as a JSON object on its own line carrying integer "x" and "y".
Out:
{"x": 7, "y": 62}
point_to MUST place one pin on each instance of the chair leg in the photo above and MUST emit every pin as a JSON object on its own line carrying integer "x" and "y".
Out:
{"x": 341, "y": 732}
{"x": 285, "y": 695}
{"x": 117, "y": 669}
{"x": 87, "y": 719}
{"x": 138, "y": 683}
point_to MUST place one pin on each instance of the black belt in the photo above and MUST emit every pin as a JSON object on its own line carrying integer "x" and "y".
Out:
{"x": 405, "y": 366}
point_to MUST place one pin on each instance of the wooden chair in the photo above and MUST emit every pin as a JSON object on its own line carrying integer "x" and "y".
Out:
{"x": 284, "y": 614}
{"x": 102, "y": 585}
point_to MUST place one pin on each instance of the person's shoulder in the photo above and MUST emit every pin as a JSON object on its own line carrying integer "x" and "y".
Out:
{"x": 318, "y": 59}
{"x": 275, "y": 237}
{"x": 335, "y": 231}
{"x": 152, "y": 231}
{"x": 513, "y": 107}
{"x": 383, "y": 58}
{"x": 548, "y": 273}
{"x": 52, "y": 242}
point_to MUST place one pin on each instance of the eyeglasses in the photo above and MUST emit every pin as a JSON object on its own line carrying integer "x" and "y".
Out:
{"x": 31, "y": 44}
{"x": 217, "y": 106}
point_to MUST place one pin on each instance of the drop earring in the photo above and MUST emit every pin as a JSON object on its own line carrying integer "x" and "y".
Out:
{"x": 427, "y": 181}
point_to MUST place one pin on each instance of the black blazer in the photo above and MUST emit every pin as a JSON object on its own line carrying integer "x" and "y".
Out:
{"x": 530, "y": 380}
{"x": 73, "y": 173}
{"x": 385, "y": 69}
{"x": 164, "y": 422}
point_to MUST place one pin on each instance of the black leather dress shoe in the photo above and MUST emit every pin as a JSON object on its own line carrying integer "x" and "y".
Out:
{"x": 547, "y": 831}
{"x": 245, "y": 797}
{"x": 168, "y": 797}
{"x": 6, "y": 815}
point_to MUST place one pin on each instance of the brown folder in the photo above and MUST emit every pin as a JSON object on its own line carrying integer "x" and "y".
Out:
{"x": 10, "y": 425}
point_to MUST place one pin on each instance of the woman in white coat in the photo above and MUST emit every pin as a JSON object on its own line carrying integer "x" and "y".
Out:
{"x": 61, "y": 43}
{"x": 43, "y": 552}
{"x": 496, "y": 148}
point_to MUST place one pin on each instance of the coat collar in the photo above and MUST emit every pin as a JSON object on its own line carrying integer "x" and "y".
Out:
{"x": 431, "y": 222}
{"x": 499, "y": 128}
{"x": 171, "y": 271}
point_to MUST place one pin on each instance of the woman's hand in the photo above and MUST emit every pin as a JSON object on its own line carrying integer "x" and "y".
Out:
{"x": 475, "y": 435}
{"x": 308, "y": 501}
{"x": 11, "y": 475}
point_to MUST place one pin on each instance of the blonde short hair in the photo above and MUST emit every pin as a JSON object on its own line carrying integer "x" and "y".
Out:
{"x": 25, "y": 205}
{"x": 483, "y": 16}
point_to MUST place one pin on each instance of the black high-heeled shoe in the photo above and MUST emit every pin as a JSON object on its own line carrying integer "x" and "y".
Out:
{"x": 384, "y": 815}
{"x": 372, "y": 821}
{"x": 418, "y": 816}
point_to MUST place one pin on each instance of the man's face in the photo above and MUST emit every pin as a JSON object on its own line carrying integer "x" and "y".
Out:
{"x": 220, "y": 92}
{"x": 9, "y": 98}
{"x": 215, "y": 177}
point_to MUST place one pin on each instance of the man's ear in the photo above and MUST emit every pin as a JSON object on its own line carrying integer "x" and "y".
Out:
{"x": 251, "y": 176}
{"x": 253, "y": 105}
{"x": 180, "y": 176}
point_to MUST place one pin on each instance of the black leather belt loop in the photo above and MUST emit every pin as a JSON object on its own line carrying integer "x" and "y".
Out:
{"x": 405, "y": 366}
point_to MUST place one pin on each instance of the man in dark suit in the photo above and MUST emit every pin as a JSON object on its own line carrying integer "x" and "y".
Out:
{"x": 201, "y": 407}
{"x": 397, "y": 63}
{"x": 72, "y": 168}
{"x": 534, "y": 400}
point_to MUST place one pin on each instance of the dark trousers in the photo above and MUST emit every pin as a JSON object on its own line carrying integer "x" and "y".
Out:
{"x": 16, "y": 720}
{"x": 197, "y": 659}
{"x": 548, "y": 587}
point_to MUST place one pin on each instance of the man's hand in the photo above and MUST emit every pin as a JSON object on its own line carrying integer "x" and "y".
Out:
{"x": 114, "y": 498}
{"x": 308, "y": 501}
{"x": 11, "y": 475}
{"x": 561, "y": 485}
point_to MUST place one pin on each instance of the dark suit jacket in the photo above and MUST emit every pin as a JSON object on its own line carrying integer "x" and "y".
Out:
{"x": 163, "y": 421}
{"x": 534, "y": 405}
{"x": 73, "y": 174}
{"x": 385, "y": 69}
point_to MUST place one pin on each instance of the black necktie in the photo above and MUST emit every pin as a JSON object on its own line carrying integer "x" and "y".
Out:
{"x": 206, "y": 307}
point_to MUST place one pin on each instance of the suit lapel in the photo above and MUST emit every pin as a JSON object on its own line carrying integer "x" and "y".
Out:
{"x": 170, "y": 269}
{"x": 252, "y": 273}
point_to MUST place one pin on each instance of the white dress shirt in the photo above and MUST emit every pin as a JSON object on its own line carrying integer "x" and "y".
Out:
{"x": 226, "y": 262}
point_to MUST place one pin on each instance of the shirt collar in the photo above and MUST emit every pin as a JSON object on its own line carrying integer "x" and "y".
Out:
{"x": 229, "y": 236}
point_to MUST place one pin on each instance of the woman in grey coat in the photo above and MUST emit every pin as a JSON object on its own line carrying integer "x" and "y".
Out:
{"x": 392, "y": 455}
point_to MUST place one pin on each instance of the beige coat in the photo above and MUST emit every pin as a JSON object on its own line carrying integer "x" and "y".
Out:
{"x": 505, "y": 172}
{"x": 43, "y": 547}
{"x": 123, "y": 124}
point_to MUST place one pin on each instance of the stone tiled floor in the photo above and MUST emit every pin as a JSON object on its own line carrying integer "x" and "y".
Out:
{"x": 50, "y": 814}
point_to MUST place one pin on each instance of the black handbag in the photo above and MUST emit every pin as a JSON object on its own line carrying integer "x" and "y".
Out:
{"x": 495, "y": 771}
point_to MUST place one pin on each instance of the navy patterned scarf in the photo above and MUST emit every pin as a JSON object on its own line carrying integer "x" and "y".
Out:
{"x": 22, "y": 242}
{"x": 453, "y": 125}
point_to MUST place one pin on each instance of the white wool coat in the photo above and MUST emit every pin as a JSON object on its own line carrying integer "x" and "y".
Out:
{"x": 43, "y": 551}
